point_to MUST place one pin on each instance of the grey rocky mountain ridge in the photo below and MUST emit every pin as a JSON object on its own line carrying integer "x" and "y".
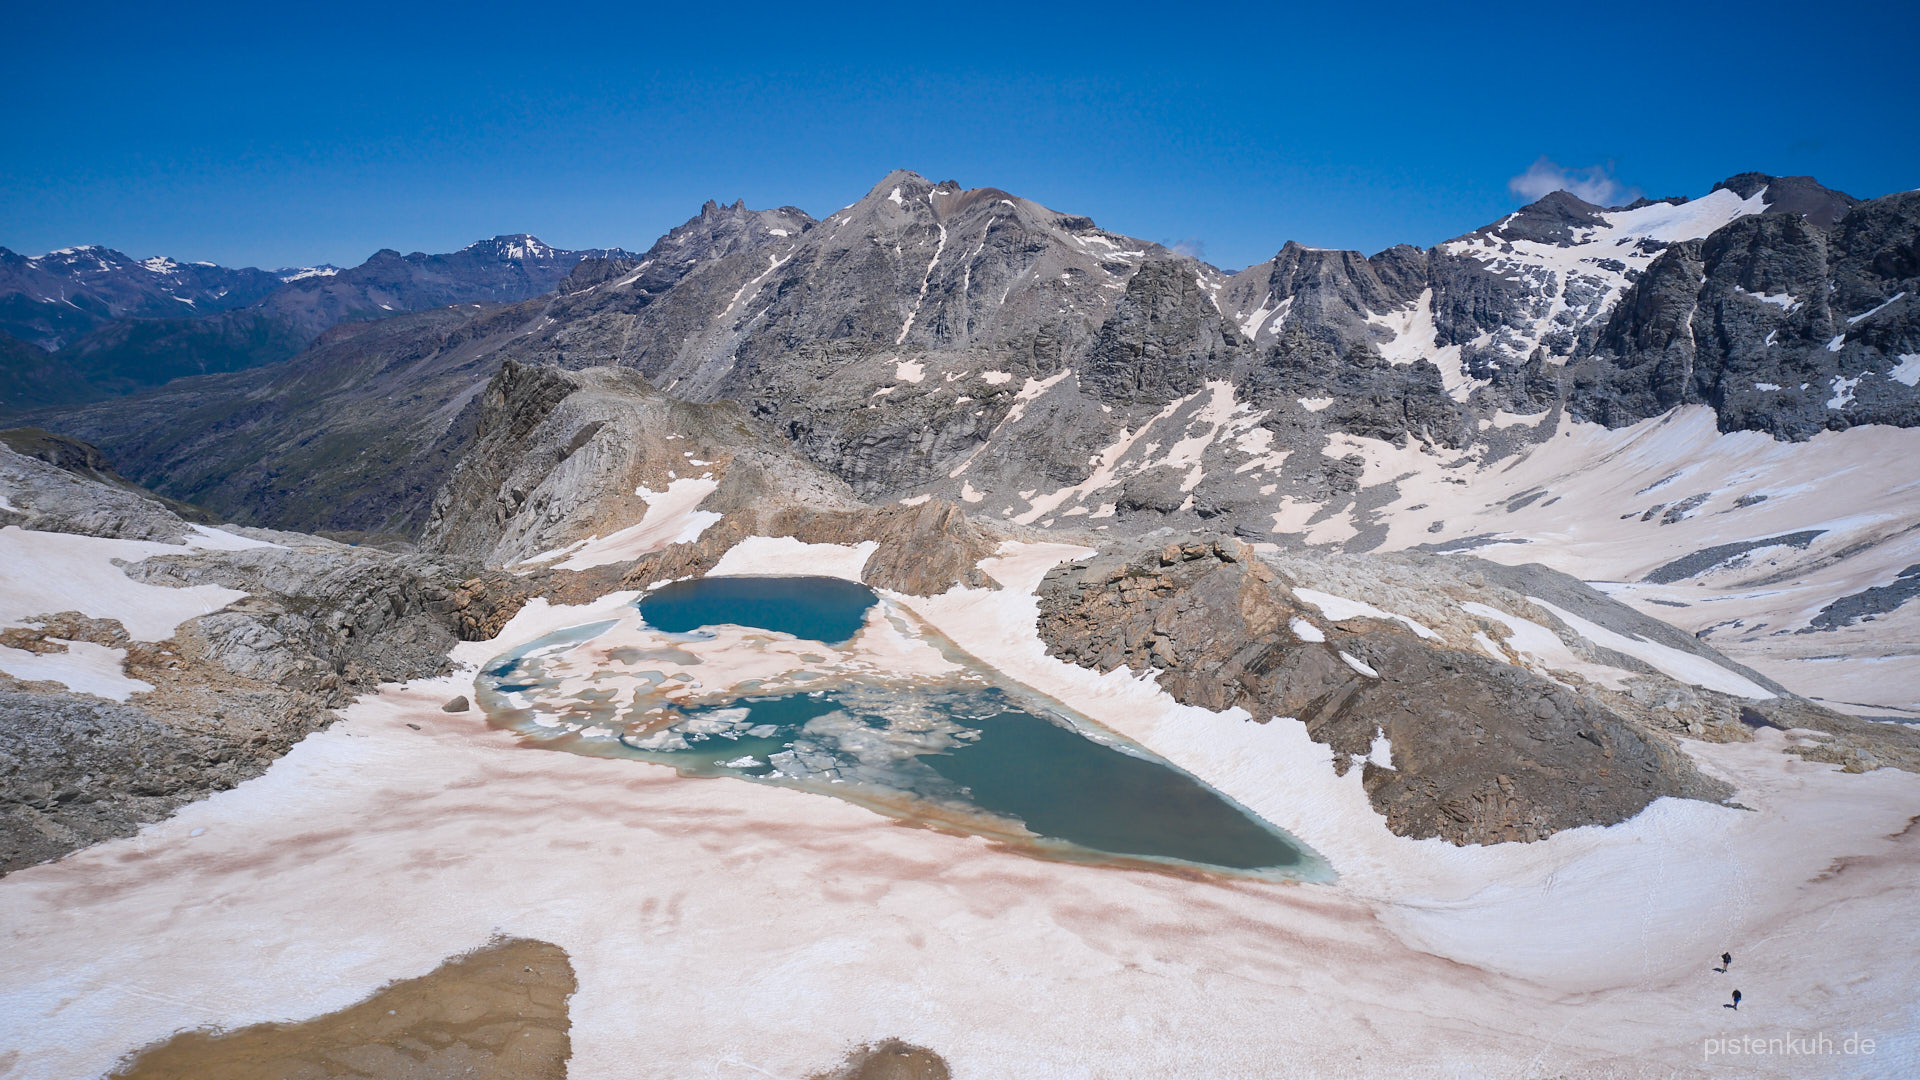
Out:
{"x": 821, "y": 328}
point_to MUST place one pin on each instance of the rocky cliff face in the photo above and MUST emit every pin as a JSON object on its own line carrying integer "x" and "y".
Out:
{"x": 563, "y": 459}
{"x": 1781, "y": 323}
{"x": 560, "y": 456}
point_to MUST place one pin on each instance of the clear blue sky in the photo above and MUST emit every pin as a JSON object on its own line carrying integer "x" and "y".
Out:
{"x": 281, "y": 134}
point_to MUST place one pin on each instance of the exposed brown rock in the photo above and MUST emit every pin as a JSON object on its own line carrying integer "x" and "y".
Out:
{"x": 889, "y": 1059}
{"x": 1483, "y": 751}
{"x": 923, "y": 550}
{"x": 481, "y": 606}
{"x": 77, "y": 769}
{"x": 558, "y": 454}
{"x": 499, "y": 1013}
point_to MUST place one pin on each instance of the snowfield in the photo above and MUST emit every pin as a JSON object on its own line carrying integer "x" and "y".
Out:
{"x": 777, "y": 928}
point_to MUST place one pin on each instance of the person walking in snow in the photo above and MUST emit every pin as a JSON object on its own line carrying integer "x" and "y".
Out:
{"x": 1736, "y": 1002}
{"x": 1726, "y": 961}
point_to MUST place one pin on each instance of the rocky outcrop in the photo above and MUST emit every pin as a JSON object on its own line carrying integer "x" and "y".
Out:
{"x": 592, "y": 272}
{"x": 1481, "y": 751}
{"x": 55, "y": 484}
{"x": 889, "y": 1059}
{"x": 230, "y": 691}
{"x": 75, "y": 770}
{"x": 559, "y": 456}
{"x": 923, "y": 550}
{"x": 1163, "y": 339}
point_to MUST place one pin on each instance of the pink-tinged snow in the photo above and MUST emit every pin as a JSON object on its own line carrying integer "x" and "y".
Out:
{"x": 1028, "y": 392}
{"x": 1416, "y": 337}
{"x": 42, "y": 573}
{"x": 1177, "y": 437}
{"x": 673, "y": 517}
{"x": 1539, "y": 649}
{"x": 85, "y": 668}
{"x": 1676, "y": 664}
{"x": 777, "y": 928}
{"x": 783, "y": 555}
{"x": 1340, "y": 609}
{"x": 1596, "y": 485}
{"x": 1256, "y": 321}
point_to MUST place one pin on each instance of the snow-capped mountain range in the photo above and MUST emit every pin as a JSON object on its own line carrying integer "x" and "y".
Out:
{"x": 117, "y": 323}
{"x": 1616, "y": 391}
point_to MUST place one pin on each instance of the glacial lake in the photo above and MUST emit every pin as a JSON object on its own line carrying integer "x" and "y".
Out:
{"x": 972, "y": 755}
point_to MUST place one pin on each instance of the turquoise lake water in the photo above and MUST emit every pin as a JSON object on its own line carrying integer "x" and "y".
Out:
{"x": 982, "y": 758}
{"x": 823, "y": 609}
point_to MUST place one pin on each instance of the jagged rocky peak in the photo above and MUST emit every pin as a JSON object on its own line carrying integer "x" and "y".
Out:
{"x": 1555, "y": 218}
{"x": 912, "y": 268}
{"x": 514, "y": 246}
{"x": 1802, "y": 196}
{"x": 720, "y": 230}
{"x": 977, "y": 267}
{"x": 1334, "y": 291}
{"x": 1164, "y": 338}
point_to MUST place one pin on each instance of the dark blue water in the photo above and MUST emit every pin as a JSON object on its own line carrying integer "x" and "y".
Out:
{"x": 824, "y": 609}
{"x": 978, "y": 750}
{"x": 1061, "y": 784}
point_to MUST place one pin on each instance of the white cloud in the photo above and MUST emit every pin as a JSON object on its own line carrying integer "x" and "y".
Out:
{"x": 1192, "y": 245}
{"x": 1595, "y": 184}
